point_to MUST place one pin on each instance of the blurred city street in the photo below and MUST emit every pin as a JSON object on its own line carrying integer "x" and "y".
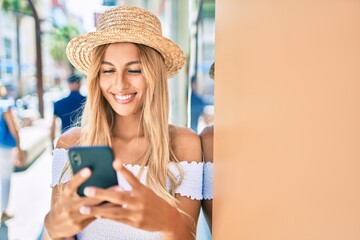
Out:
{"x": 29, "y": 199}
{"x": 34, "y": 71}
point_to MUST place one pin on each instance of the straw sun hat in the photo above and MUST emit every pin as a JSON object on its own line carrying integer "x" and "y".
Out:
{"x": 125, "y": 24}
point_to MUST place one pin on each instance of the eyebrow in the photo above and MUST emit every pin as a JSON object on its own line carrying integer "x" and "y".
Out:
{"x": 127, "y": 64}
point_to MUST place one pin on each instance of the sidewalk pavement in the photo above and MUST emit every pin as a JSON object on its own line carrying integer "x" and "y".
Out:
{"x": 30, "y": 191}
{"x": 29, "y": 199}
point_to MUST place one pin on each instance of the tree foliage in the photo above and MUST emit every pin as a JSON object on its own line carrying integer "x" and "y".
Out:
{"x": 17, "y": 6}
{"x": 59, "y": 38}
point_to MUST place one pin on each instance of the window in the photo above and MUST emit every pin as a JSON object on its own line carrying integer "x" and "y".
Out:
{"x": 7, "y": 47}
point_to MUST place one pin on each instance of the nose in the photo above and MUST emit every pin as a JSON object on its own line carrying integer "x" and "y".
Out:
{"x": 121, "y": 82}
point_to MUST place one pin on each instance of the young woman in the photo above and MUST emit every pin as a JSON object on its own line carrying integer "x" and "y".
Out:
{"x": 127, "y": 62}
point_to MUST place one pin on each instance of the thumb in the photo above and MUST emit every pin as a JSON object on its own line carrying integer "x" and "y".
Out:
{"x": 117, "y": 165}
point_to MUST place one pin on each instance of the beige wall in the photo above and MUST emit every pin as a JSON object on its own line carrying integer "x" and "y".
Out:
{"x": 287, "y": 120}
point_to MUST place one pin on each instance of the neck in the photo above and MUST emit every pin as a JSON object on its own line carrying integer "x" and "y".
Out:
{"x": 74, "y": 87}
{"x": 129, "y": 143}
{"x": 128, "y": 128}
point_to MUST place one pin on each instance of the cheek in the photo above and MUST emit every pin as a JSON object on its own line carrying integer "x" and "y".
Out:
{"x": 104, "y": 87}
{"x": 102, "y": 83}
{"x": 142, "y": 90}
{"x": 142, "y": 86}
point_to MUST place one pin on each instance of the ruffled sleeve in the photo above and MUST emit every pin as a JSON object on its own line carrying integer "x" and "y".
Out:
{"x": 6, "y": 104}
{"x": 208, "y": 181}
{"x": 191, "y": 185}
{"x": 60, "y": 158}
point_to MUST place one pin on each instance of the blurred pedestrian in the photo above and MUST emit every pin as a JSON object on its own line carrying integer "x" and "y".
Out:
{"x": 4, "y": 232}
{"x": 68, "y": 109}
{"x": 9, "y": 144}
{"x": 197, "y": 105}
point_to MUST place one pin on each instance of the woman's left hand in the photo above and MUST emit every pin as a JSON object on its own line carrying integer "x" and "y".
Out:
{"x": 20, "y": 160}
{"x": 140, "y": 207}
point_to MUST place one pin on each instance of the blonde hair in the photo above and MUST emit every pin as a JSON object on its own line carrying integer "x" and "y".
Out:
{"x": 98, "y": 119}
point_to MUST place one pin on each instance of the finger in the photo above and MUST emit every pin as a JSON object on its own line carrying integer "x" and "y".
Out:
{"x": 114, "y": 195}
{"x": 82, "y": 219}
{"x": 129, "y": 176}
{"x": 76, "y": 202}
{"x": 116, "y": 188}
{"x": 110, "y": 212}
{"x": 87, "y": 222}
{"x": 77, "y": 180}
{"x": 90, "y": 201}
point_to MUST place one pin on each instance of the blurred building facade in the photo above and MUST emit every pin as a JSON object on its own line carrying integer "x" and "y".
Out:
{"x": 17, "y": 50}
{"x": 189, "y": 23}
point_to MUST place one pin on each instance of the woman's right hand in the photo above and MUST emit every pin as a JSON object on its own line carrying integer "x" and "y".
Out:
{"x": 64, "y": 219}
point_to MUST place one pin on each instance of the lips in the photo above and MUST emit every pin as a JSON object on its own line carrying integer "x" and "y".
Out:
{"x": 124, "y": 98}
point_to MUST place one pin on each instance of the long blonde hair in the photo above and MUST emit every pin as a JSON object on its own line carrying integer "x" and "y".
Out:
{"x": 98, "y": 119}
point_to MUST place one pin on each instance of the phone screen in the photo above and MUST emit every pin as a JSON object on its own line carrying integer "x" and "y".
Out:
{"x": 97, "y": 158}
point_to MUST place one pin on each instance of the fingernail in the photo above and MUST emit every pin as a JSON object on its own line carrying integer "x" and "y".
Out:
{"x": 84, "y": 210}
{"x": 85, "y": 172}
{"x": 89, "y": 191}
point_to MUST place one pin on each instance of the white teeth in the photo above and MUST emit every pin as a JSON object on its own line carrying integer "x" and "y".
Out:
{"x": 123, "y": 97}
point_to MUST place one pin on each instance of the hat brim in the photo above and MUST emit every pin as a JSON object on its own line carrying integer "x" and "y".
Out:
{"x": 79, "y": 49}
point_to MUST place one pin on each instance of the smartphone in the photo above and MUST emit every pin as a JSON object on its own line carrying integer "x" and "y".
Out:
{"x": 97, "y": 158}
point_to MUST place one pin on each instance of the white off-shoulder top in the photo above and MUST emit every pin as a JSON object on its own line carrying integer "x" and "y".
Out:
{"x": 191, "y": 186}
{"x": 208, "y": 181}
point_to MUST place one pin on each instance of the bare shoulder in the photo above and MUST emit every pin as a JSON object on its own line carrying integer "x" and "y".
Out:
{"x": 185, "y": 143}
{"x": 207, "y": 133}
{"x": 182, "y": 135}
{"x": 207, "y": 142}
{"x": 69, "y": 138}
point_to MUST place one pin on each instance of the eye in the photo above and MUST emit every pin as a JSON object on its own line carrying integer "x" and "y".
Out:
{"x": 107, "y": 71}
{"x": 134, "y": 71}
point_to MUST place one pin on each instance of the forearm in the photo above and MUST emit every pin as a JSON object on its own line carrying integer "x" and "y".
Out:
{"x": 182, "y": 233}
{"x": 52, "y": 131}
{"x": 178, "y": 229}
{"x": 49, "y": 235}
{"x": 46, "y": 236}
{"x": 18, "y": 145}
{"x": 17, "y": 139}
{"x": 47, "y": 225}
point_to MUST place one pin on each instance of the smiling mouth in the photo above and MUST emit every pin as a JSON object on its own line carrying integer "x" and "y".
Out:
{"x": 125, "y": 98}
